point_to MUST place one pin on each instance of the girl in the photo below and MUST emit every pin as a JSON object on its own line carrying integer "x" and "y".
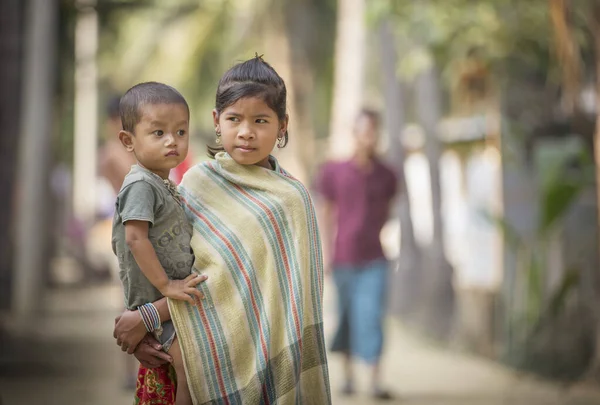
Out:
{"x": 257, "y": 336}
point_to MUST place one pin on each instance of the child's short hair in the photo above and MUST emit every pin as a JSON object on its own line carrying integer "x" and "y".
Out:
{"x": 252, "y": 78}
{"x": 144, "y": 94}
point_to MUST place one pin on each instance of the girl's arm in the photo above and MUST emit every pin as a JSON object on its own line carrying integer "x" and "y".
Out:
{"x": 130, "y": 329}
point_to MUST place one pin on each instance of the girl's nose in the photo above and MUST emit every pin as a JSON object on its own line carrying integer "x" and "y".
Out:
{"x": 245, "y": 132}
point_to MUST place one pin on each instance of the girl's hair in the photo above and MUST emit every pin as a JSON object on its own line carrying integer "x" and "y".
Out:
{"x": 252, "y": 78}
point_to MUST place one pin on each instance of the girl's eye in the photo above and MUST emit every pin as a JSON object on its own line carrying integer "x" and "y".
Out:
{"x": 233, "y": 119}
{"x": 158, "y": 132}
{"x": 181, "y": 132}
{"x": 261, "y": 121}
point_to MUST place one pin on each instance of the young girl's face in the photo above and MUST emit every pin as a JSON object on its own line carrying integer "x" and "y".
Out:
{"x": 249, "y": 130}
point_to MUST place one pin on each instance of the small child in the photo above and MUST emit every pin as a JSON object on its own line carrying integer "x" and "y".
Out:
{"x": 151, "y": 235}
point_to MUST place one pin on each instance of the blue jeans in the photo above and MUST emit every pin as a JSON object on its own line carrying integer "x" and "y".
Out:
{"x": 361, "y": 306}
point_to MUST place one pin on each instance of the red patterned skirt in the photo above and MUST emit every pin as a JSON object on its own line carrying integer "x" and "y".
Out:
{"x": 156, "y": 386}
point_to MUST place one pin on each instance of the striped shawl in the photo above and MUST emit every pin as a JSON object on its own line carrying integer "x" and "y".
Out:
{"x": 257, "y": 337}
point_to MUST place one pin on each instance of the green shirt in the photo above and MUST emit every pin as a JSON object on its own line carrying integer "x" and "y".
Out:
{"x": 145, "y": 197}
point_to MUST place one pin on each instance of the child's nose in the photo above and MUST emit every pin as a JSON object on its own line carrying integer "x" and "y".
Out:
{"x": 170, "y": 139}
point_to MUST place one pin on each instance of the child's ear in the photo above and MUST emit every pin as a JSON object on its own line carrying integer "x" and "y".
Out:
{"x": 126, "y": 139}
{"x": 215, "y": 114}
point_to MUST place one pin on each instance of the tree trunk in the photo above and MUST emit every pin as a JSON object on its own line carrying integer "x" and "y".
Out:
{"x": 11, "y": 43}
{"x": 409, "y": 262}
{"x": 34, "y": 158}
{"x": 299, "y": 17}
{"x": 277, "y": 40}
{"x": 348, "y": 80}
{"x": 86, "y": 113}
{"x": 568, "y": 55}
{"x": 438, "y": 293}
{"x": 594, "y": 370}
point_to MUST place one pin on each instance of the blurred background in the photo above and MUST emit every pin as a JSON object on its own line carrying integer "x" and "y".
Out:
{"x": 490, "y": 112}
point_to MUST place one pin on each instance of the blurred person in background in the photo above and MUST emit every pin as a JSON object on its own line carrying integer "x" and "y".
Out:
{"x": 114, "y": 161}
{"x": 357, "y": 197}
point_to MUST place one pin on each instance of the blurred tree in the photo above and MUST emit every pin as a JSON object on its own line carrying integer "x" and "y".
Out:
{"x": 480, "y": 47}
{"x": 594, "y": 371}
{"x": 189, "y": 52}
{"x": 308, "y": 24}
{"x": 349, "y": 64}
{"x": 568, "y": 49}
{"x": 410, "y": 260}
{"x": 11, "y": 45}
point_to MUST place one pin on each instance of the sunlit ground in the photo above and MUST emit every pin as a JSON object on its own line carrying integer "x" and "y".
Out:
{"x": 72, "y": 359}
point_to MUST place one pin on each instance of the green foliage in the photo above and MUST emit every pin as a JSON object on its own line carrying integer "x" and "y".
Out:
{"x": 509, "y": 36}
{"x": 541, "y": 307}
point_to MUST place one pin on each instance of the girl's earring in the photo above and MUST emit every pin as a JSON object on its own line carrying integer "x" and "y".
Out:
{"x": 218, "y": 140}
{"x": 281, "y": 141}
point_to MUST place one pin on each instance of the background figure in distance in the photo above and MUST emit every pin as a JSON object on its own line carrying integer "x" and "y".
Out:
{"x": 357, "y": 195}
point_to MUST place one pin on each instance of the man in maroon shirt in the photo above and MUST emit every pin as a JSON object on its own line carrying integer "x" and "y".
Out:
{"x": 357, "y": 195}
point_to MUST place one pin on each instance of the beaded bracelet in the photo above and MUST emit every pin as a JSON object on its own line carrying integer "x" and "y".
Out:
{"x": 150, "y": 317}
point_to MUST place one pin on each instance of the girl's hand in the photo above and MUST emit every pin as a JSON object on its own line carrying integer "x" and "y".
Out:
{"x": 129, "y": 330}
{"x": 184, "y": 289}
{"x": 149, "y": 353}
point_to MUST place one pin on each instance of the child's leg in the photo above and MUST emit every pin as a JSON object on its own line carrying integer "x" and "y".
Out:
{"x": 183, "y": 396}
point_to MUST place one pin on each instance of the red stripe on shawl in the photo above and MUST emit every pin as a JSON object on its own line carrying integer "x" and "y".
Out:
{"x": 244, "y": 273}
{"x": 284, "y": 253}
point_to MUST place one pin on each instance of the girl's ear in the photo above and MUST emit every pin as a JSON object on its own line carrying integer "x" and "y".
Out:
{"x": 283, "y": 125}
{"x": 215, "y": 114}
{"x": 126, "y": 138}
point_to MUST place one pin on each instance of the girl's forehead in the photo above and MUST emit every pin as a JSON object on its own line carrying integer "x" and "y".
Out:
{"x": 249, "y": 104}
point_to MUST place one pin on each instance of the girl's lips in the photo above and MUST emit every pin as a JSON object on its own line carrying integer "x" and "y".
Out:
{"x": 246, "y": 148}
{"x": 172, "y": 153}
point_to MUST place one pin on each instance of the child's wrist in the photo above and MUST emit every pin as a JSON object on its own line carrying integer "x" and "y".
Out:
{"x": 162, "y": 284}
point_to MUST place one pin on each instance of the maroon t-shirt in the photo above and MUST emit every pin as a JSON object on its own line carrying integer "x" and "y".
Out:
{"x": 362, "y": 199}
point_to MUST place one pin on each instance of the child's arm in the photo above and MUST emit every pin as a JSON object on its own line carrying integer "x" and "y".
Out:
{"x": 136, "y": 237}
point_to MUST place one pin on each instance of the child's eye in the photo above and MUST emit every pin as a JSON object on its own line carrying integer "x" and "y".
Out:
{"x": 181, "y": 132}
{"x": 233, "y": 119}
{"x": 158, "y": 132}
{"x": 261, "y": 121}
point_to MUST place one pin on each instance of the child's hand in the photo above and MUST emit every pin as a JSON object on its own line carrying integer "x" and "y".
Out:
{"x": 184, "y": 289}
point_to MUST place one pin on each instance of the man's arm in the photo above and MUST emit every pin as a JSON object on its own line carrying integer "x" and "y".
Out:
{"x": 328, "y": 230}
{"x": 327, "y": 209}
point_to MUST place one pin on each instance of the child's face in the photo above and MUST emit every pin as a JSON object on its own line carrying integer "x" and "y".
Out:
{"x": 161, "y": 138}
{"x": 249, "y": 129}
